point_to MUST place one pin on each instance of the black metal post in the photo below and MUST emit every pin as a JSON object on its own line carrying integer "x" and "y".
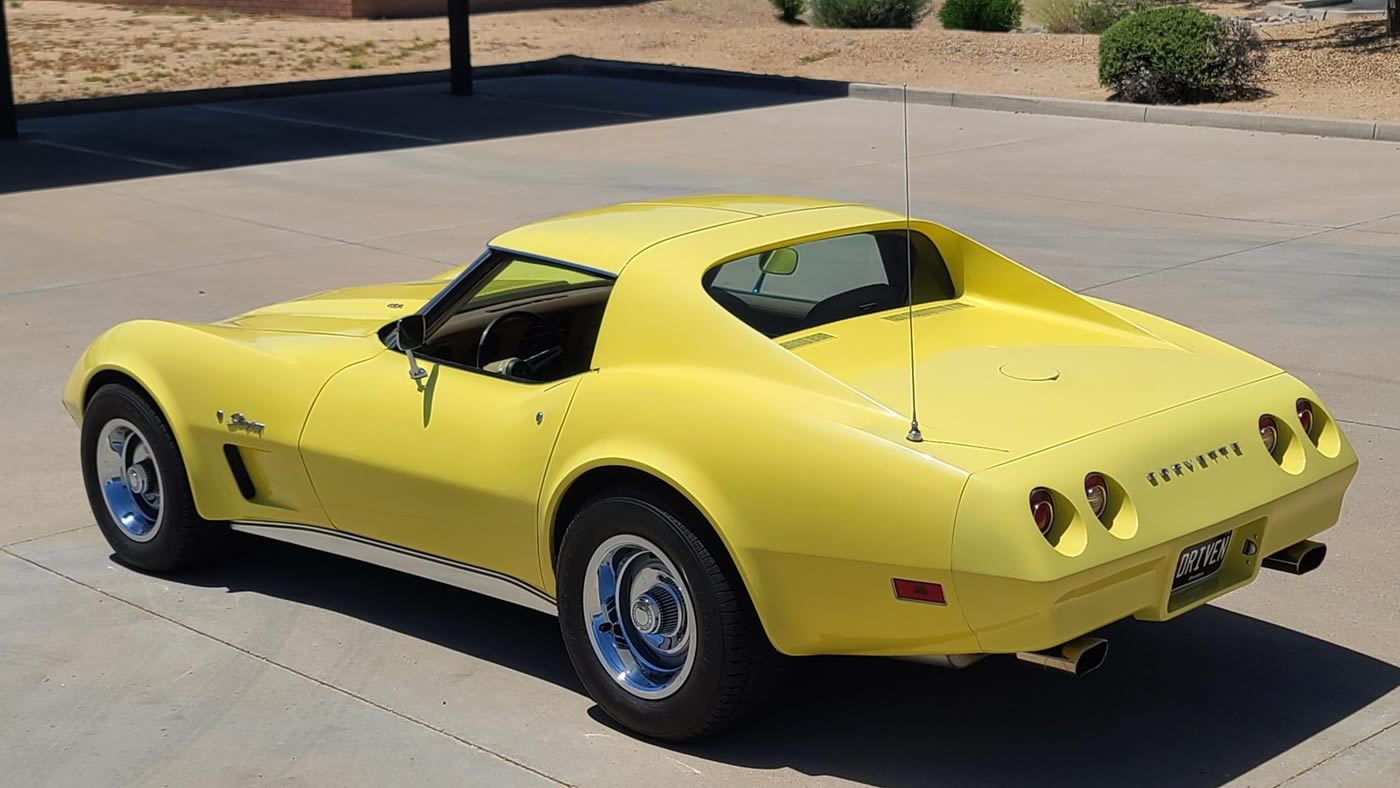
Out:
{"x": 459, "y": 46}
{"x": 9, "y": 125}
{"x": 1392, "y": 18}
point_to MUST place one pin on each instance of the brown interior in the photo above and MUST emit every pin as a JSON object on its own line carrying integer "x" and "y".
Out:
{"x": 577, "y": 316}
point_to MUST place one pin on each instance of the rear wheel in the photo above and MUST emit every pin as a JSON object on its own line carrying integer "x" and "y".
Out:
{"x": 136, "y": 484}
{"x": 656, "y": 623}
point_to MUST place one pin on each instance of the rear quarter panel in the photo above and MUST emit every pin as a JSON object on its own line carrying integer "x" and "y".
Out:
{"x": 812, "y": 488}
{"x": 818, "y": 511}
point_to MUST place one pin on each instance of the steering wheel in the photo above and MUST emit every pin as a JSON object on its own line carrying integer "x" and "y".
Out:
{"x": 532, "y": 363}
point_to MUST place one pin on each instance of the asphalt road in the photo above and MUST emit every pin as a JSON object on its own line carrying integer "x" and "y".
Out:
{"x": 290, "y": 667}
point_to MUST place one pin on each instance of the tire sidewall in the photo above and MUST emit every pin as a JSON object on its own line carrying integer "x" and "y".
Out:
{"x": 162, "y": 550}
{"x": 681, "y": 712}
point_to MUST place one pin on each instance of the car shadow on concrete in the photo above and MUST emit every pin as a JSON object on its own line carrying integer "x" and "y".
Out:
{"x": 1191, "y": 702}
{"x": 544, "y": 96}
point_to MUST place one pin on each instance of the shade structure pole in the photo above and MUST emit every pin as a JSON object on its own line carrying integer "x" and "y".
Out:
{"x": 9, "y": 124}
{"x": 459, "y": 45}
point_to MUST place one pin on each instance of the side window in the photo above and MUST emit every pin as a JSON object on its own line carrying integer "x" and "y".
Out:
{"x": 793, "y": 288}
{"x": 740, "y": 276}
{"x": 833, "y": 265}
{"x": 520, "y": 318}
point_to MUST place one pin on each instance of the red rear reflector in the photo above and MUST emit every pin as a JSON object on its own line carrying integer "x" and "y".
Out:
{"x": 919, "y": 591}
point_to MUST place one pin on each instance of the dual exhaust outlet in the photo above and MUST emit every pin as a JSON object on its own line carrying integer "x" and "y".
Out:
{"x": 1076, "y": 657}
{"x": 1085, "y": 654}
{"x": 1299, "y": 559}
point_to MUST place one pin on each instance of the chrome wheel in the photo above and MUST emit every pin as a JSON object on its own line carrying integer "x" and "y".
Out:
{"x": 130, "y": 479}
{"x": 639, "y": 614}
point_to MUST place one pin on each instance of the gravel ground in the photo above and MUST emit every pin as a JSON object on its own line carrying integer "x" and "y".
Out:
{"x": 68, "y": 50}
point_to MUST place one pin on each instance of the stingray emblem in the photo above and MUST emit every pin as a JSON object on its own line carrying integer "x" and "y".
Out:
{"x": 1191, "y": 466}
{"x": 240, "y": 422}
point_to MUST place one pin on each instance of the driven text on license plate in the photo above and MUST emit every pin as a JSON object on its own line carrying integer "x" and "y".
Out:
{"x": 1200, "y": 561}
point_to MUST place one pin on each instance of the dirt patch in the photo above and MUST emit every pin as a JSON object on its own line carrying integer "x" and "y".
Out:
{"x": 68, "y": 50}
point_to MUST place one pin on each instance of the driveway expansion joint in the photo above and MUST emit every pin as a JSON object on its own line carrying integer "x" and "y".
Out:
{"x": 1338, "y": 753}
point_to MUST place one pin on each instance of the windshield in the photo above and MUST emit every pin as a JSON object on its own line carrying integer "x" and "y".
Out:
{"x": 524, "y": 279}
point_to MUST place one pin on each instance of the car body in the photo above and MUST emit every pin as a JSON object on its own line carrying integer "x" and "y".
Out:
{"x": 789, "y": 438}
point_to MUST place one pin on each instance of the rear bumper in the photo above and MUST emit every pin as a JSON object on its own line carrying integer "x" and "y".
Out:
{"x": 1038, "y": 615}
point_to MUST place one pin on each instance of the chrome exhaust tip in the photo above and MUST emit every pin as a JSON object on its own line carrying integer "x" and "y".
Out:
{"x": 1077, "y": 657}
{"x": 1299, "y": 559}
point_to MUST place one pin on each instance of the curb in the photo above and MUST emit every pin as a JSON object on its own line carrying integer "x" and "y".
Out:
{"x": 176, "y": 98}
{"x": 581, "y": 66}
{"x": 1075, "y": 108}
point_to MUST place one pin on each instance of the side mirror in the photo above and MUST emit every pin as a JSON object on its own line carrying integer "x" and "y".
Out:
{"x": 780, "y": 262}
{"x": 411, "y": 332}
{"x": 411, "y": 335}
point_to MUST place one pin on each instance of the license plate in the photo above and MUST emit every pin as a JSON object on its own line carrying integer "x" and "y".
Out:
{"x": 1200, "y": 561}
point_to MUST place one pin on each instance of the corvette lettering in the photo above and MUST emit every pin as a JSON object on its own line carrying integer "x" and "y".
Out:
{"x": 1190, "y": 466}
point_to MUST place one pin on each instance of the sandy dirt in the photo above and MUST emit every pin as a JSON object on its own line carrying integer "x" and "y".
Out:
{"x": 68, "y": 50}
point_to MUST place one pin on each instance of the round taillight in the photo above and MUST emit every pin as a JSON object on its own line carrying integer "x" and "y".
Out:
{"x": 1305, "y": 416}
{"x": 1268, "y": 432}
{"x": 1042, "y": 509}
{"x": 1096, "y": 490}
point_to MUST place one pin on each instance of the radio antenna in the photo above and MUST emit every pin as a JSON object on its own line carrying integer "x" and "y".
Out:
{"x": 914, "y": 435}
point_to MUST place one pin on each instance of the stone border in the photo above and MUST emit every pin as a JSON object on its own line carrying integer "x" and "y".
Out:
{"x": 570, "y": 64}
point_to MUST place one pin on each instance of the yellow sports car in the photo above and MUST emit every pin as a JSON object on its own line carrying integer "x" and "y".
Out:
{"x": 709, "y": 432}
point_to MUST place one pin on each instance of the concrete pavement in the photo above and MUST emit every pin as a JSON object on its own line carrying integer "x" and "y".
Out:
{"x": 286, "y": 666}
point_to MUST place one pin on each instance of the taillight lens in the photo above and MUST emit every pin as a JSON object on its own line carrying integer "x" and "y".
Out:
{"x": 1042, "y": 509}
{"x": 1268, "y": 432}
{"x": 1096, "y": 490}
{"x": 1305, "y": 416}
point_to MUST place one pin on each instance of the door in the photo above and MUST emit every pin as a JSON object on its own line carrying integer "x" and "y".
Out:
{"x": 449, "y": 465}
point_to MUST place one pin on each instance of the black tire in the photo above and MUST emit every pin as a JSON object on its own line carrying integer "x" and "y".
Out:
{"x": 735, "y": 667}
{"x": 181, "y": 537}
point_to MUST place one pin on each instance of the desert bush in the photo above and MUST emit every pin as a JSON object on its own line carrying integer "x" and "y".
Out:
{"x": 869, "y": 13}
{"x": 789, "y": 9}
{"x": 1058, "y": 16}
{"x": 1240, "y": 58}
{"x": 997, "y": 16}
{"x": 1096, "y": 16}
{"x": 1088, "y": 16}
{"x": 1179, "y": 54}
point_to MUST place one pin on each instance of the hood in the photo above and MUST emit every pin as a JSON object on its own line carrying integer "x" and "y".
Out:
{"x": 349, "y": 311}
{"x": 1018, "y": 379}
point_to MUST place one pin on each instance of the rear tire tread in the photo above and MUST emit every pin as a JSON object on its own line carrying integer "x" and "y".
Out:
{"x": 751, "y": 666}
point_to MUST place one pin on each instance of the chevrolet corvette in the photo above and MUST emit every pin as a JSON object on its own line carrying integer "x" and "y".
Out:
{"x": 714, "y": 433}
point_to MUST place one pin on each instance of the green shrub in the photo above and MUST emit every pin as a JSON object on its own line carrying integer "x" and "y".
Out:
{"x": 789, "y": 9}
{"x": 1097, "y": 16}
{"x": 1058, "y": 16}
{"x": 869, "y": 13}
{"x": 997, "y": 16}
{"x": 1179, "y": 54}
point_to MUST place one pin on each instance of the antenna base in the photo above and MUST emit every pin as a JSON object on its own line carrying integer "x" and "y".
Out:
{"x": 914, "y": 435}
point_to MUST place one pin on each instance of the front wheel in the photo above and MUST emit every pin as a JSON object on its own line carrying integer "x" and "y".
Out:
{"x": 657, "y": 625}
{"x": 136, "y": 484}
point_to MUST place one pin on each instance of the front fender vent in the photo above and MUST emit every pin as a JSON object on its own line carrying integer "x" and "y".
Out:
{"x": 240, "y": 471}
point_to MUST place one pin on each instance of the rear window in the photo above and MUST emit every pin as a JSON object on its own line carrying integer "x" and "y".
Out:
{"x": 797, "y": 287}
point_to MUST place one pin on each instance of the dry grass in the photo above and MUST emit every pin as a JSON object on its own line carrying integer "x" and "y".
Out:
{"x": 65, "y": 50}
